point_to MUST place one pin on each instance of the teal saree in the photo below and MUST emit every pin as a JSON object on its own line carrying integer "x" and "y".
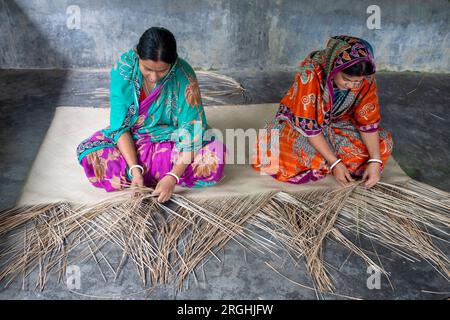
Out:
{"x": 175, "y": 111}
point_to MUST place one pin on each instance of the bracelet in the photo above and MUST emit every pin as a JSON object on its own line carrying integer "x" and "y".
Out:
{"x": 135, "y": 166}
{"x": 173, "y": 175}
{"x": 334, "y": 164}
{"x": 375, "y": 160}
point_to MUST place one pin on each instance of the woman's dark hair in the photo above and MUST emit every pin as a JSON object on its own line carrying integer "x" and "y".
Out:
{"x": 363, "y": 68}
{"x": 157, "y": 44}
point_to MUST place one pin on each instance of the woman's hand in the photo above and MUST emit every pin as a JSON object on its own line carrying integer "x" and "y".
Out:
{"x": 341, "y": 174}
{"x": 164, "y": 189}
{"x": 372, "y": 174}
{"x": 138, "y": 178}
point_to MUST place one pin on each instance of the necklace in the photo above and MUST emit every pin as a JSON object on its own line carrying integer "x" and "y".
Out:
{"x": 148, "y": 87}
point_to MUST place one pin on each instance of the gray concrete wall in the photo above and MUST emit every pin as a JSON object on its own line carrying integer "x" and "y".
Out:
{"x": 222, "y": 34}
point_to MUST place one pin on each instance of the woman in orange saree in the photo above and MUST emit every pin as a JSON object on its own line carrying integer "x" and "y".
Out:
{"x": 329, "y": 120}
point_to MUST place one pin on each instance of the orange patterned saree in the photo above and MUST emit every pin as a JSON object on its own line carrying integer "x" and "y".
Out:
{"x": 312, "y": 106}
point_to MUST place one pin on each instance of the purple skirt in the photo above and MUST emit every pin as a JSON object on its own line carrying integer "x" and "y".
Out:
{"x": 106, "y": 167}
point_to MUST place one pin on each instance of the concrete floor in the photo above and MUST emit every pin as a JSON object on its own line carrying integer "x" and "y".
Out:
{"x": 414, "y": 108}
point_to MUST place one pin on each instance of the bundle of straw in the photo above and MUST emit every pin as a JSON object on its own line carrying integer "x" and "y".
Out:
{"x": 219, "y": 89}
{"x": 167, "y": 242}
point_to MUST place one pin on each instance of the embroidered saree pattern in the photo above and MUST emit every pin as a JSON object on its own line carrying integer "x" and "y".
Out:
{"x": 312, "y": 106}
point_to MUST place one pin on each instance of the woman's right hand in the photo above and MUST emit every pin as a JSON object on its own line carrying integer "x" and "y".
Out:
{"x": 138, "y": 178}
{"x": 341, "y": 174}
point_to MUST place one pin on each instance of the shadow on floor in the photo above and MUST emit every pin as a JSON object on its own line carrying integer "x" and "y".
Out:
{"x": 28, "y": 99}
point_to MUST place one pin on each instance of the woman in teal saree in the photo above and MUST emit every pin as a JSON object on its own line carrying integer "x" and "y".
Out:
{"x": 157, "y": 133}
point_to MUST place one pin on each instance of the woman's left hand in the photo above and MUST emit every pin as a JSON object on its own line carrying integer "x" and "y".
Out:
{"x": 164, "y": 189}
{"x": 372, "y": 174}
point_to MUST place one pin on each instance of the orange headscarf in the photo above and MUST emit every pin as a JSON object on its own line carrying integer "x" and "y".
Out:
{"x": 308, "y": 105}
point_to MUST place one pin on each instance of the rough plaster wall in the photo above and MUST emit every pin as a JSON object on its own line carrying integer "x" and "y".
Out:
{"x": 223, "y": 34}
